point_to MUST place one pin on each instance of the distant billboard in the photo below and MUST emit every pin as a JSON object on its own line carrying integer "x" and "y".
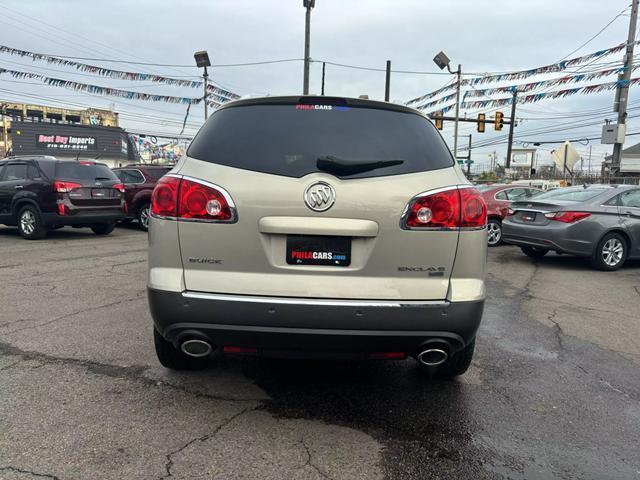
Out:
{"x": 522, "y": 157}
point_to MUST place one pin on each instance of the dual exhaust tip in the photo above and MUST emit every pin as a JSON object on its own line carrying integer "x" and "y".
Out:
{"x": 197, "y": 348}
{"x": 433, "y": 356}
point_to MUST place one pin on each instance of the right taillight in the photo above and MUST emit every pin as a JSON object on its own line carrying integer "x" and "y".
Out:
{"x": 448, "y": 209}
{"x": 567, "y": 217}
{"x": 191, "y": 199}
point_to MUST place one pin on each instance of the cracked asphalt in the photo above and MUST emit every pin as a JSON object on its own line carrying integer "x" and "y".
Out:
{"x": 553, "y": 392}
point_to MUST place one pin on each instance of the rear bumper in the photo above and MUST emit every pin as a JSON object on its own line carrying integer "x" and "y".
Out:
{"x": 83, "y": 218}
{"x": 558, "y": 239}
{"x": 295, "y": 326}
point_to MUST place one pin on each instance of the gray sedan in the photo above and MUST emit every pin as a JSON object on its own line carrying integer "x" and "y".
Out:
{"x": 600, "y": 222}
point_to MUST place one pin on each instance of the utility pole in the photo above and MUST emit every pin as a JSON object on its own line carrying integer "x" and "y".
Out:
{"x": 590, "y": 147}
{"x": 514, "y": 100}
{"x": 622, "y": 92}
{"x": 387, "y": 83}
{"x": 308, "y": 4}
{"x": 4, "y": 129}
{"x": 323, "y": 67}
{"x": 469, "y": 159}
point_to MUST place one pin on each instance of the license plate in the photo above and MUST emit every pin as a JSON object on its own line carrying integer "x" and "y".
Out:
{"x": 318, "y": 250}
{"x": 99, "y": 193}
{"x": 528, "y": 217}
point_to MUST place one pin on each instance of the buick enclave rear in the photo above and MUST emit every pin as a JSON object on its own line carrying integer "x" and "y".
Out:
{"x": 317, "y": 227}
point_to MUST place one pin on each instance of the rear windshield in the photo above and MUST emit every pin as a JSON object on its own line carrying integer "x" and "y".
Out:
{"x": 157, "y": 173}
{"x": 84, "y": 171}
{"x": 289, "y": 139}
{"x": 579, "y": 194}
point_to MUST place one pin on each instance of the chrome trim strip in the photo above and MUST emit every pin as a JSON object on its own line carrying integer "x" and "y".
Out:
{"x": 316, "y": 301}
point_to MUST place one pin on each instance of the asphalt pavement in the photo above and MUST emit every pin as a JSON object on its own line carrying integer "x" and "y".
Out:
{"x": 553, "y": 392}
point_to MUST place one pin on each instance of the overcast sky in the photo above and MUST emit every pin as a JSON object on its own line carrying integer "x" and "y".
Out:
{"x": 484, "y": 36}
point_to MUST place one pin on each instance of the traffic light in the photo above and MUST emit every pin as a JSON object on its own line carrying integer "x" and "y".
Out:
{"x": 439, "y": 120}
{"x": 481, "y": 117}
{"x": 498, "y": 122}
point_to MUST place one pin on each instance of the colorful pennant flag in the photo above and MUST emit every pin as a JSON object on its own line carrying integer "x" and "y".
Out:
{"x": 119, "y": 74}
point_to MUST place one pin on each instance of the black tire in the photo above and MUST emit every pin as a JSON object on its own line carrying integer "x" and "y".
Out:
{"x": 30, "y": 223}
{"x": 103, "y": 228}
{"x": 494, "y": 232}
{"x": 143, "y": 217}
{"x": 616, "y": 245}
{"x": 174, "y": 359}
{"x": 454, "y": 366}
{"x": 534, "y": 252}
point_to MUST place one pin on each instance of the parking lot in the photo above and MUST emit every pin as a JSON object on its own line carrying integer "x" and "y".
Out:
{"x": 554, "y": 390}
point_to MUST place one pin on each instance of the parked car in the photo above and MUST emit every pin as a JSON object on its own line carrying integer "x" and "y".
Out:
{"x": 498, "y": 197}
{"x": 317, "y": 227}
{"x": 38, "y": 193}
{"x": 139, "y": 181}
{"x": 600, "y": 222}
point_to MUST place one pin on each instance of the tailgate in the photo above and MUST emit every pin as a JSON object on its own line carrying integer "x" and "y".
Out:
{"x": 363, "y": 253}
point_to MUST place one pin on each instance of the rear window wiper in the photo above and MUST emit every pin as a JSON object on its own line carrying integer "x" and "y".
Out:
{"x": 342, "y": 166}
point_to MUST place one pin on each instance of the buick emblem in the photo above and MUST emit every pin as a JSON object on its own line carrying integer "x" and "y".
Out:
{"x": 319, "y": 196}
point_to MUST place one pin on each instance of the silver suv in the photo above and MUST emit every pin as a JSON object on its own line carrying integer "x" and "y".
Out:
{"x": 317, "y": 227}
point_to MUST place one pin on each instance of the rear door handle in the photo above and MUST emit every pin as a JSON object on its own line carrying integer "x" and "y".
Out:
{"x": 632, "y": 214}
{"x": 18, "y": 187}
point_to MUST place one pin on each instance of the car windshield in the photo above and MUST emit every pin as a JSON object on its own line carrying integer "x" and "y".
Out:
{"x": 572, "y": 194}
{"x": 298, "y": 139}
{"x": 84, "y": 171}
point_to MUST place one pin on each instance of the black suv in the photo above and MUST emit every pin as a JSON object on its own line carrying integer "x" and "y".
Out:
{"x": 38, "y": 193}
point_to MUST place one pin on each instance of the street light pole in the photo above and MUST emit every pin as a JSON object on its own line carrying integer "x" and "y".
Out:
{"x": 202, "y": 60}
{"x": 455, "y": 128}
{"x": 205, "y": 76}
{"x": 308, "y": 4}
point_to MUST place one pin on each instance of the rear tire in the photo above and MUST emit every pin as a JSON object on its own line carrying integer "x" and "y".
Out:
{"x": 453, "y": 366}
{"x": 611, "y": 253}
{"x": 534, "y": 252}
{"x": 174, "y": 359}
{"x": 30, "y": 223}
{"x": 103, "y": 228}
{"x": 143, "y": 217}
{"x": 494, "y": 232}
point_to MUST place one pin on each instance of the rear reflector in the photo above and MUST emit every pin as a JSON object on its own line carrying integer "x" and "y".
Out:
{"x": 191, "y": 199}
{"x": 567, "y": 217}
{"x": 388, "y": 355}
{"x": 229, "y": 349}
{"x": 446, "y": 210}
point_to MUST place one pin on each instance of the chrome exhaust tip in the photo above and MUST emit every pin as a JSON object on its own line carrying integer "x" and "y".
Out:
{"x": 196, "y": 348}
{"x": 432, "y": 357}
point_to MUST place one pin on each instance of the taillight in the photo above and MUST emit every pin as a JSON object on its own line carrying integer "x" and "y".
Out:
{"x": 64, "y": 187}
{"x": 119, "y": 186}
{"x": 449, "y": 209}
{"x": 567, "y": 217}
{"x": 191, "y": 199}
{"x": 164, "y": 199}
{"x": 474, "y": 210}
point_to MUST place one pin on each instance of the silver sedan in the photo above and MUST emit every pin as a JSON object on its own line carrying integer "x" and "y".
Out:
{"x": 599, "y": 222}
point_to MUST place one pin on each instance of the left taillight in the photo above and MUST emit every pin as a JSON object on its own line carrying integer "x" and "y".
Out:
{"x": 60, "y": 186}
{"x": 191, "y": 199}
{"x": 448, "y": 209}
{"x": 119, "y": 187}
